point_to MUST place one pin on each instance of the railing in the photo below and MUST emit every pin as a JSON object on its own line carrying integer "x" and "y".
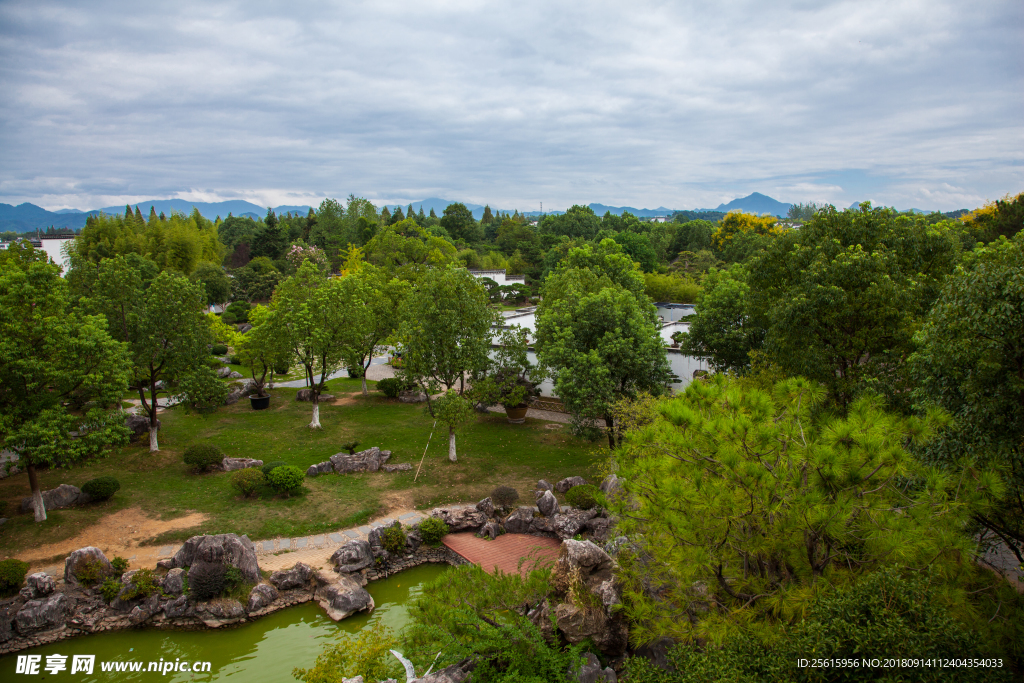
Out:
{"x": 553, "y": 405}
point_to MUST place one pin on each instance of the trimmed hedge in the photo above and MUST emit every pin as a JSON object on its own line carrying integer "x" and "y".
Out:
{"x": 218, "y": 349}
{"x": 286, "y": 479}
{"x": 432, "y": 530}
{"x": 101, "y": 488}
{"x": 390, "y": 386}
{"x": 271, "y": 466}
{"x": 12, "y": 574}
{"x": 393, "y": 539}
{"x": 202, "y": 456}
{"x": 584, "y": 497}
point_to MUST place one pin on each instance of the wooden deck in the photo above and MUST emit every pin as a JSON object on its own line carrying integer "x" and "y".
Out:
{"x": 505, "y": 551}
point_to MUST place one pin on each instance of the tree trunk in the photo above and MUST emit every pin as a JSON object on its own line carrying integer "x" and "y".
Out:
{"x": 610, "y": 424}
{"x": 153, "y": 445}
{"x": 365, "y": 393}
{"x": 37, "y": 496}
{"x": 315, "y": 424}
{"x": 451, "y": 445}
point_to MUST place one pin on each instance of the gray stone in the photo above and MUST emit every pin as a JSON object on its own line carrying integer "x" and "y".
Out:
{"x": 303, "y": 395}
{"x": 598, "y": 528}
{"x": 301, "y": 542}
{"x": 223, "y": 372}
{"x": 244, "y": 327}
{"x": 296, "y": 577}
{"x": 456, "y": 673}
{"x": 363, "y": 461}
{"x": 571, "y": 523}
{"x": 611, "y": 485}
{"x": 260, "y": 596}
{"x": 413, "y": 541}
{"x": 174, "y": 581}
{"x": 412, "y": 396}
{"x": 43, "y": 614}
{"x": 352, "y": 557}
{"x": 7, "y": 612}
{"x": 491, "y": 530}
{"x": 144, "y": 611}
{"x": 543, "y": 524}
{"x": 325, "y": 467}
{"x": 221, "y": 612}
{"x": 232, "y": 549}
{"x": 232, "y": 464}
{"x": 399, "y": 467}
{"x": 64, "y": 496}
{"x": 139, "y": 426}
{"x": 179, "y": 607}
{"x": 235, "y": 375}
{"x": 544, "y": 485}
{"x": 548, "y": 504}
{"x": 460, "y": 519}
{"x": 591, "y": 671}
{"x": 486, "y": 506}
{"x": 343, "y": 598}
{"x": 40, "y": 584}
{"x": 519, "y": 522}
{"x": 384, "y": 457}
{"x": 586, "y": 560}
{"x": 569, "y": 482}
{"x": 77, "y": 560}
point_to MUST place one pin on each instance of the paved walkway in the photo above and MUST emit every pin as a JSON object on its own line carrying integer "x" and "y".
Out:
{"x": 504, "y": 552}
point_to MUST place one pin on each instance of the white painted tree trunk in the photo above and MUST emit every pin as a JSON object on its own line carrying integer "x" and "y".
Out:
{"x": 38, "y": 505}
{"x": 315, "y": 424}
{"x": 153, "y": 445}
{"x": 451, "y": 445}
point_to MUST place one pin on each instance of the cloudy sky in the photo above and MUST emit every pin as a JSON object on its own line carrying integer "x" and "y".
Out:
{"x": 909, "y": 103}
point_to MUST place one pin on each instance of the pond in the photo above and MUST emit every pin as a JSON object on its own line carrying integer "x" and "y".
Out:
{"x": 265, "y": 650}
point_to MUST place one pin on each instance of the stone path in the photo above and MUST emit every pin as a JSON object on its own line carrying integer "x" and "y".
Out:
{"x": 504, "y": 552}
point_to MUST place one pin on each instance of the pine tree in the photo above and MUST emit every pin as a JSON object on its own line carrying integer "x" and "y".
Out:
{"x": 152, "y": 214}
{"x": 409, "y": 213}
{"x": 488, "y": 216}
{"x": 128, "y": 215}
{"x": 162, "y": 216}
{"x": 271, "y": 219}
{"x": 422, "y": 216}
{"x": 138, "y": 216}
{"x": 397, "y": 217}
{"x": 432, "y": 214}
{"x": 385, "y": 216}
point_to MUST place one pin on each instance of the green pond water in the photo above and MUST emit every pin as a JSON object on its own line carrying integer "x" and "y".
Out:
{"x": 264, "y": 650}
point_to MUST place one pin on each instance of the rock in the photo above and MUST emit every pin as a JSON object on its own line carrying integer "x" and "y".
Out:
{"x": 232, "y": 464}
{"x": 233, "y": 397}
{"x": 543, "y": 524}
{"x": 139, "y": 426}
{"x": 43, "y": 614}
{"x": 357, "y": 679}
{"x": 593, "y": 564}
{"x": 611, "y": 485}
{"x": 412, "y": 396}
{"x": 598, "y": 528}
{"x": 40, "y": 584}
{"x": 244, "y": 327}
{"x": 399, "y": 467}
{"x": 363, "y": 461}
{"x": 316, "y": 470}
{"x": 591, "y": 671}
{"x": 384, "y": 457}
{"x": 460, "y": 519}
{"x": 519, "y": 521}
{"x": 304, "y": 395}
{"x": 486, "y": 506}
{"x": 64, "y": 496}
{"x": 7, "y": 612}
{"x": 491, "y": 530}
{"x": 413, "y": 541}
{"x": 220, "y": 612}
{"x": 570, "y": 523}
{"x": 296, "y": 577}
{"x": 174, "y": 581}
{"x": 260, "y": 596}
{"x": 232, "y": 549}
{"x": 547, "y": 504}
{"x": 179, "y": 607}
{"x": 352, "y": 557}
{"x": 145, "y": 611}
{"x": 343, "y": 598}
{"x": 456, "y": 673}
{"x": 568, "y": 483}
{"x": 78, "y": 560}
{"x": 235, "y": 375}
{"x": 544, "y": 485}
{"x": 223, "y": 372}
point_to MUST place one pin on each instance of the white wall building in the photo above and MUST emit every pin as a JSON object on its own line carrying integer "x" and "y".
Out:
{"x": 499, "y": 277}
{"x": 52, "y": 245}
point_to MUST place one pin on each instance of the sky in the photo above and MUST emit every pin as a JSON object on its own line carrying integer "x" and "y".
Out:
{"x": 907, "y": 103}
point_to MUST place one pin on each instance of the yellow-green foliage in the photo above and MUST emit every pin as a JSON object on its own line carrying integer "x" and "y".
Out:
{"x": 671, "y": 288}
{"x": 737, "y": 222}
{"x": 366, "y": 655}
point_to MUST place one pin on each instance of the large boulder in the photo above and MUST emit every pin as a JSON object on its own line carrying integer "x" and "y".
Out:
{"x": 227, "y": 549}
{"x": 307, "y": 395}
{"x": 86, "y": 560}
{"x": 139, "y": 426}
{"x": 352, "y": 557}
{"x": 460, "y": 519}
{"x": 145, "y": 610}
{"x": 456, "y": 673}
{"x": 571, "y": 523}
{"x": 544, "y": 485}
{"x": 585, "y": 559}
{"x": 296, "y": 577}
{"x": 343, "y": 598}
{"x": 64, "y": 496}
{"x": 591, "y": 671}
{"x": 244, "y": 327}
{"x": 363, "y": 461}
{"x": 260, "y": 596}
{"x": 179, "y": 607}
{"x": 232, "y": 464}
{"x": 543, "y": 524}
{"x": 325, "y": 467}
{"x": 519, "y": 522}
{"x": 43, "y": 614}
{"x": 547, "y": 504}
{"x": 220, "y": 612}
{"x": 223, "y": 372}
{"x": 235, "y": 375}
{"x": 174, "y": 582}
{"x": 569, "y": 482}
{"x": 611, "y": 486}
{"x": 486, "y": 506}
{"x": 40, "y": 584}
{"x": 598, "y": 528}
{"x": 7, "y": 612}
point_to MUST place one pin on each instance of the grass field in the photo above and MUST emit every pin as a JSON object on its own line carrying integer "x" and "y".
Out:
{"x": 491, "y": 452}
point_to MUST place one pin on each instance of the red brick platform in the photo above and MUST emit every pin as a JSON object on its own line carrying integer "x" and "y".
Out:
{"x": 505, "y": 551}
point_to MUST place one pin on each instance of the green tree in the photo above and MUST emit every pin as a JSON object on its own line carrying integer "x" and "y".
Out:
{"x": 215, "y": 282}
{"x": 691, "y": 236}
{"x": 578, "y": 222}
{"x": 460, "y": 224}
{"x": 638, "y": 247}
{"x": 723, "y": 329}
{"x": 270, "y": 239}
{"x": 452, "y": 410}
{"x": 262, "y": 348}
{"x": 377, "y": 321}
{"x": 61, "y": 375}
{"x": 406, "y": 251}
{"x": 970, "y": 361}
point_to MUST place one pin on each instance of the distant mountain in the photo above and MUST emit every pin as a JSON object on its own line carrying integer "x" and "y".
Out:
{"x": 601, "y": 209}
{"x": 757, "y": 203}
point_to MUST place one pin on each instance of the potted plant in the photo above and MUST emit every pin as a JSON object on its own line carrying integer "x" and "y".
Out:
{"x": 261, "y": 349}
{"x": 510, "y": 380}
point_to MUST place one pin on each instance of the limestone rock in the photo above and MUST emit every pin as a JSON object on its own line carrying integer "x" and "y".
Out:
{"x": 598, "y": 528}
{"x": 352, "y": 557}
{"x": 544, "y": 485}
{"x": 296, "y": 577}
{"x": 174, "y": 581}
{"x": 491, "y": 530}
{"x": 232, "y": 464}
{"x": 593, "y": 564}
{"x": 611, "y": 485}
{"x": 316, "y": 470}
{"x": 232, "y": 549}
{"x": 591, "y": 671}
{"x": 78, "y": 560}
{"x": 139, "y": 426}
{"x": 412, "y": 396}
{"x": 7, "y": 612}
{"x": 384, "y": 457}
{"x": 570, "y": 523}
{"x": 548, "y": 504}
{"x": 64, "y": 496}
{"x": 399, "y": 467}
{"x": 486, "y": 506}
{"x": 363, "y": 461}
{"x": 343, "y": 598}
{"x": 235, "y": 375}
{"x": 569, "y": 482}
{"x": 43, "y": 614}
{"x": 543, "y": 524}
{"x": 413, "y": 540}
{"x": 179, "y": 607}
{"x": 223, "y": 372}
{"x": 40, "y": 584}
{"x": 244, "y": 327}
{"x": 519, "y": 522}
{"x": 460, "y": 519}
{"x": 456, "y": 673}
{"x": 144, "y": 611}
{"x": 260, "y": 596}
{"x": 220, "y": 612}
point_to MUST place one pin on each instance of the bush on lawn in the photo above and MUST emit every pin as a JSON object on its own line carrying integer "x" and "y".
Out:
{"x": 286, "y": 479}
{"x": 101, "y": 488}
{"x": 432, "y": 530}
{"x": 119, "y": 564}
{"x": 239, "y": 311}
{"x": 281, "y": 369}
{"x": 505, "y": 496}
{"x": 234, "y": 360}
{"x": 584, "y": 497}
{"x": 271, "y": 466}
{"x": 218, "y": 349}
{"x": 248, "y": 481}
{"x": 202, "y": 456}
{"x": 393, "y": 539}
{"x": 355, "y": 372}
{"x": 12, "y": 573}
{"x": 390, "y": 386}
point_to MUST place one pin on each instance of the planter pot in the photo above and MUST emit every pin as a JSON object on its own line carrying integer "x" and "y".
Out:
{"x": 259, "y": 402}
{"x": 516, "y": 415}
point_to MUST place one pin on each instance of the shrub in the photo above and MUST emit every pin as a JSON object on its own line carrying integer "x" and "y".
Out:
{"x": 286, "y": 479}
{"x": 281, "y": 369}
{"x": 101, "y": 488}
{"x": 504, "y": 496}
{"x": 432, "y": 530}
{"x": 90, "y": 573}
{"x": 120, "y": 565}
{"x": 235, "y": 585}
{"x": 350, "y": 447}
{"x": 355, "y": 372}
{"x": 202, "y": 456}
{"x": 583, "y": 497}
{"x": 393, "y": 539}
{"x": 234, "y": 360}
{"x": 271, "y": 466}
{"x": 228, "y": 319}
{"x": 12, "y": 573}
{"x": 390, "y": 386}
{"x": 143, "y": 584}
{"x": 218, "y": 349}
{"x": 110, "y": 589}
{"x": 202, "y": 390}
{"x": 248, "y": 481}
{"x": 206, "y": 580}
{"x": 239, "y": 310}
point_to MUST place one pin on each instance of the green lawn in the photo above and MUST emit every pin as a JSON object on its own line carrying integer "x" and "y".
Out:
{"x": 491, "y": 452}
